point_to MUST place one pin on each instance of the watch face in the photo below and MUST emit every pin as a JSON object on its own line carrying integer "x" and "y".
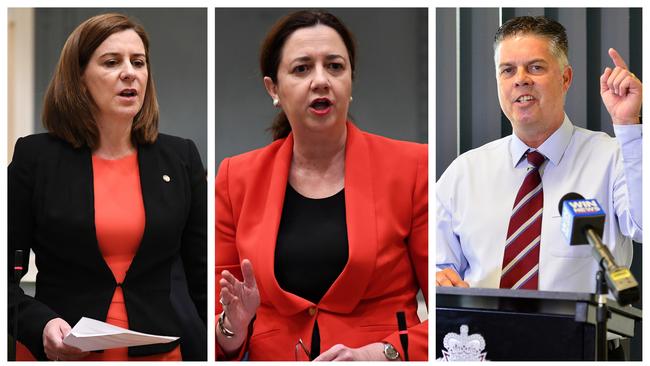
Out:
{"x": 390, "y": 352}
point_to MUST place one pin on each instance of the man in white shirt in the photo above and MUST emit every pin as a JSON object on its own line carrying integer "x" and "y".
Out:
{"x": 476, "y": 194}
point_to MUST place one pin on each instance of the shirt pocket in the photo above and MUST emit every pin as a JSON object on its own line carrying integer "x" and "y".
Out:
{"x": 572, "y": 251}
{"x": 561, "y": 248}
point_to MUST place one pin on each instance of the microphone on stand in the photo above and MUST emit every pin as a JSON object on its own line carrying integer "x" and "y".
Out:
{"x": 583, "y": 221}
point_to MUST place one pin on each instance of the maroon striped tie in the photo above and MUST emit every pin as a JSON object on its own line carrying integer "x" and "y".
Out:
{"x": 520, "y": 269}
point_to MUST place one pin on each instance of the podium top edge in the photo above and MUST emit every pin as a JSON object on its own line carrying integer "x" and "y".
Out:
{"x": 524, "y": 294}
{"x": 533, "y": 294}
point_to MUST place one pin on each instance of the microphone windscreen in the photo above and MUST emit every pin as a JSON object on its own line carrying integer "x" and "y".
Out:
{"x": 577, "y": 216}
{"x": 568, "y": 197}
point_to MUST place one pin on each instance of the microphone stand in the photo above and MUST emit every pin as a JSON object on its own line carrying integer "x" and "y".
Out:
{"x": 622, "y": 294}
{"x": 12, "y": 351}
{"x": 602, "y": 313}
{"x": 18, "y": 270}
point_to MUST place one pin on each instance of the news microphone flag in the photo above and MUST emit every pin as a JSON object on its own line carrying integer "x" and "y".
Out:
{"x": 577, "y": 216}
{"x": 583, "y": 221}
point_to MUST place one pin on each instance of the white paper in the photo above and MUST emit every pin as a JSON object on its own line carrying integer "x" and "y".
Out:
{"x": 94, "y": 335}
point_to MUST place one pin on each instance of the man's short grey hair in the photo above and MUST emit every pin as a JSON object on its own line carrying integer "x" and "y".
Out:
{"x": 539, "y": 26}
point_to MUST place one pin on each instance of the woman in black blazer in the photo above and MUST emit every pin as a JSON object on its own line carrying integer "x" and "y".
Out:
{"x": 101, "y": 103}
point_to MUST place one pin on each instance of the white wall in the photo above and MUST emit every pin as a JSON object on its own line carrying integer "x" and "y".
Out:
{"x": 20, "y": 98}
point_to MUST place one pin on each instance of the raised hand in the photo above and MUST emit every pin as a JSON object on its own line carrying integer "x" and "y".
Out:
{"x": 239, "y": 299}
{"x": 621, "y": 91}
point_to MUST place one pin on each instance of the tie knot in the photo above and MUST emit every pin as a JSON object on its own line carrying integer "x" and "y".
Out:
{"x": 535, "y": 158}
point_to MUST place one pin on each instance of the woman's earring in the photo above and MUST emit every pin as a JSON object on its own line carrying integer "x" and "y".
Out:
{"x": 276, "y": 102}
{"x": 351, "y": 99}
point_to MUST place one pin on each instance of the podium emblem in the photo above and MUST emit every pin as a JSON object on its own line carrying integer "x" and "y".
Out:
{"x": 463, "y": 347}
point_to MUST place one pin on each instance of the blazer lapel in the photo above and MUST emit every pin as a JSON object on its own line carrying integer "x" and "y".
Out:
{"x": 152, "y": 196}
{"x": 75, "y": 192}
{"x": 346, "y": 292}
{"x": 348, "y": 289}
{"x": 264, "y": 263}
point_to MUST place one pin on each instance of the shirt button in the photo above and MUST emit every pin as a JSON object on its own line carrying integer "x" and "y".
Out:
{"x": 312, "y": 311}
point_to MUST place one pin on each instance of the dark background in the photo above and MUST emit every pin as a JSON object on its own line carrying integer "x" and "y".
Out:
{"x": 178, "y": 55}
{"x": 390, "y": 87}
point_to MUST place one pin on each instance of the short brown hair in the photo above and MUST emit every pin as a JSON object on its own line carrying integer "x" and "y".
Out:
{"x": 271, "y": 50}
{"x": 68, "y": 107}
{"x": 539, "y": 26}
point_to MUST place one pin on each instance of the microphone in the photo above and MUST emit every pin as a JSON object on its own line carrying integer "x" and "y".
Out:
{"x": 583, "y": 222}
{"x": 18, "y": 265}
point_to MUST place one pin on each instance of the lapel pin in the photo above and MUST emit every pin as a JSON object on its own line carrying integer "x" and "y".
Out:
{"x": 166, "y": 178}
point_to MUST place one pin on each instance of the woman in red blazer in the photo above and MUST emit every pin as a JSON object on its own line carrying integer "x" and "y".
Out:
{"x": 277, "y": 301}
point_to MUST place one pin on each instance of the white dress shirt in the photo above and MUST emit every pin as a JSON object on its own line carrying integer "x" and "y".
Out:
{"x": 476, "y": 193}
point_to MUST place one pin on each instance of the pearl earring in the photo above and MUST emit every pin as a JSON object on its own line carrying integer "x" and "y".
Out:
{"x": 276, "y": 102}
{"x": 351, "y": 98}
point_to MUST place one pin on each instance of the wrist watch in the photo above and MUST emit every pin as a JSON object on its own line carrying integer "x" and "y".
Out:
{"x": 390, "y": 352}
{"x": 225, "y": 331}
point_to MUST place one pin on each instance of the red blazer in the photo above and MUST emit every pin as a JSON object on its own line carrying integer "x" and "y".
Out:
{"x": 386, "y": 200}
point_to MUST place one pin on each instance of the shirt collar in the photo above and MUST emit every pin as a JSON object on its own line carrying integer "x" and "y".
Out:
{"x": 553, "y": 148}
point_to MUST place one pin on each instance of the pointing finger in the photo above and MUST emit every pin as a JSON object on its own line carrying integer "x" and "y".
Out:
{"x": 617, "y": 59}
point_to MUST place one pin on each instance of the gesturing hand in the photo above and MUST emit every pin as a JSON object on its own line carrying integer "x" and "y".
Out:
{"x": 239, "y": 299}
{"x": 53, "y": 333}
{"x": 621, "y": 91}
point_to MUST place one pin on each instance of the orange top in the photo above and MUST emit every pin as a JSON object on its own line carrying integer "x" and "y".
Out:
{"x": 119, "y": 222}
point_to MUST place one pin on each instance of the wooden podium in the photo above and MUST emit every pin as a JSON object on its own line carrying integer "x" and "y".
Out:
{"x": 522, "y": 325}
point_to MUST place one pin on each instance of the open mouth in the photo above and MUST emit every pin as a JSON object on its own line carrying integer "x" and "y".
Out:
{"x": 524, "y": 98}
{"x": 128, "y": 93}
{"x": 321, "y": 104}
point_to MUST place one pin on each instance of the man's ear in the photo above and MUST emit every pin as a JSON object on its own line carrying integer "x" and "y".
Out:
{"x": 567, "y": 78}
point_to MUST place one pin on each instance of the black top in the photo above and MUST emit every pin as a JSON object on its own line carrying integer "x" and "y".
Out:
{"x": 312, "y": 246}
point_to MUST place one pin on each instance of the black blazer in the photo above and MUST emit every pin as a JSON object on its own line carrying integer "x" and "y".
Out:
{"x": 51, "y": 211}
